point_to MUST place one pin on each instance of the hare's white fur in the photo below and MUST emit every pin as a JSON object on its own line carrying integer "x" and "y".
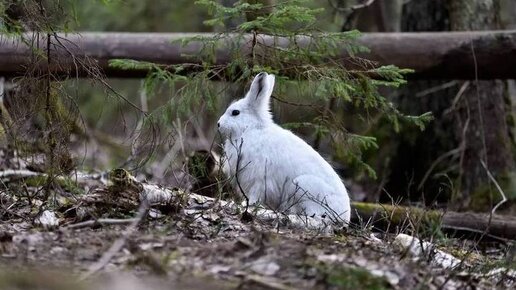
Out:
{"x": 272, "y": 165}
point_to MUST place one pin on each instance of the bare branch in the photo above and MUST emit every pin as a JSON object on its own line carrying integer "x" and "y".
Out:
{"x": 504, "y": 198}
{"x": 350, "y": 8}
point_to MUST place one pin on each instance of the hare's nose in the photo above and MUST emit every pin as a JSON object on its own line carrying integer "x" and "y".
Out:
{"x": 218, "y": 125}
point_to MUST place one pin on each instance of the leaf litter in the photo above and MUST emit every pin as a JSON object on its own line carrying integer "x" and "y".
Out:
{"x": 192, "y": 241}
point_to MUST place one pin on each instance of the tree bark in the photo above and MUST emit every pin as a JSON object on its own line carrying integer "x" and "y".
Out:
{"x": 507, "y": 12}
{"x": 481, "y": 119}
{"x": 431, "y": 55}
{"x": 389, "y": 217}
{"x": 404, "y": 162}
{"x": 444, "y": 164}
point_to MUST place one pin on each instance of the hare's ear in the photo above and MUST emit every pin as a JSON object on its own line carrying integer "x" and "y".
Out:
{"x": 260, "y": 92}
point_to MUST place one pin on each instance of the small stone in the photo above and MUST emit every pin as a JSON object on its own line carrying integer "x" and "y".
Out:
{"x": 391, "y": 277}
{"x": 154, "y": 213}
{"x": 57, "y": 250}
{"x": 47, "y": 219}
{"x": 219, "y": 269}
{"x": 150, "y": 246}
{"x": 265, "y": 267}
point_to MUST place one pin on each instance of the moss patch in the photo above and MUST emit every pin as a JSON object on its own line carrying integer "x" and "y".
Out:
{"x": 355, "y": 278}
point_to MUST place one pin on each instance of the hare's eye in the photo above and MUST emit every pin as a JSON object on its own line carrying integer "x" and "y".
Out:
{"x": 235, "y": 113}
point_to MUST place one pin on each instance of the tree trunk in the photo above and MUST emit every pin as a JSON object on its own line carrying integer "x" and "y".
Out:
{"x": 380, "y": 16}
{"x": 442, "y": 163}
{"x": 413, "y": 167}
{"x": 507, "y": 11}
{"x": 481, "y": 119}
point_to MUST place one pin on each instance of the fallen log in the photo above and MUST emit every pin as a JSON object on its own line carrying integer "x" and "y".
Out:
{"x": 463, "y": 224}
{"x": 436, "y": 55}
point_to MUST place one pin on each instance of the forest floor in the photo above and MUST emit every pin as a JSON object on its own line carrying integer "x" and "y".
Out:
{"x": 199, "y": 244}
{"x": 76, "y": 232}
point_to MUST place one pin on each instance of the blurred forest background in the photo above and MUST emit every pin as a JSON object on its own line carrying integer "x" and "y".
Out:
{"x": 442, "y": 165}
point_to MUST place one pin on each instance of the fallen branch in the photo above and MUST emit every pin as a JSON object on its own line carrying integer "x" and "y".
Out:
{"x": 33, "y": 178}
{"x": 21, "y": 173}
{"x": 92, "y": 223}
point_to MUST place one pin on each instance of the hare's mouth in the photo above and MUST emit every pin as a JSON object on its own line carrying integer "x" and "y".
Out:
{"x": 223, "y": 131}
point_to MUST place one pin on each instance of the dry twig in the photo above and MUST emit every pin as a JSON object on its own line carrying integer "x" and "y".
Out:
{"x": 91, "y": 223}
{"x": 350, "y": 8}
{"x": 504, "y": 198}
{"x": 118, "y": 244}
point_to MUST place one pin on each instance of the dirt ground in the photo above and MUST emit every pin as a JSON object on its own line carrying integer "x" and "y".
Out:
{"x": 202, "y": 245}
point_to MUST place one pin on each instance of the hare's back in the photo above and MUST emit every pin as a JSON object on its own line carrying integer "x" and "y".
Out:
{"x": 288, "y": 154}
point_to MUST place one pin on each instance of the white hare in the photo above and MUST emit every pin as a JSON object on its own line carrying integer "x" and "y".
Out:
{"x": 272, "y": 166}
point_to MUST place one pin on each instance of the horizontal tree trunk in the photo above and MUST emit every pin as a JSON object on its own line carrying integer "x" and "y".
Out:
{"x": 449, "y": 55}
{"x": 458, "y": 223}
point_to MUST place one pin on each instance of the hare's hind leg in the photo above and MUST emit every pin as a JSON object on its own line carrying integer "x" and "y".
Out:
{"x": 315, "y": 197}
